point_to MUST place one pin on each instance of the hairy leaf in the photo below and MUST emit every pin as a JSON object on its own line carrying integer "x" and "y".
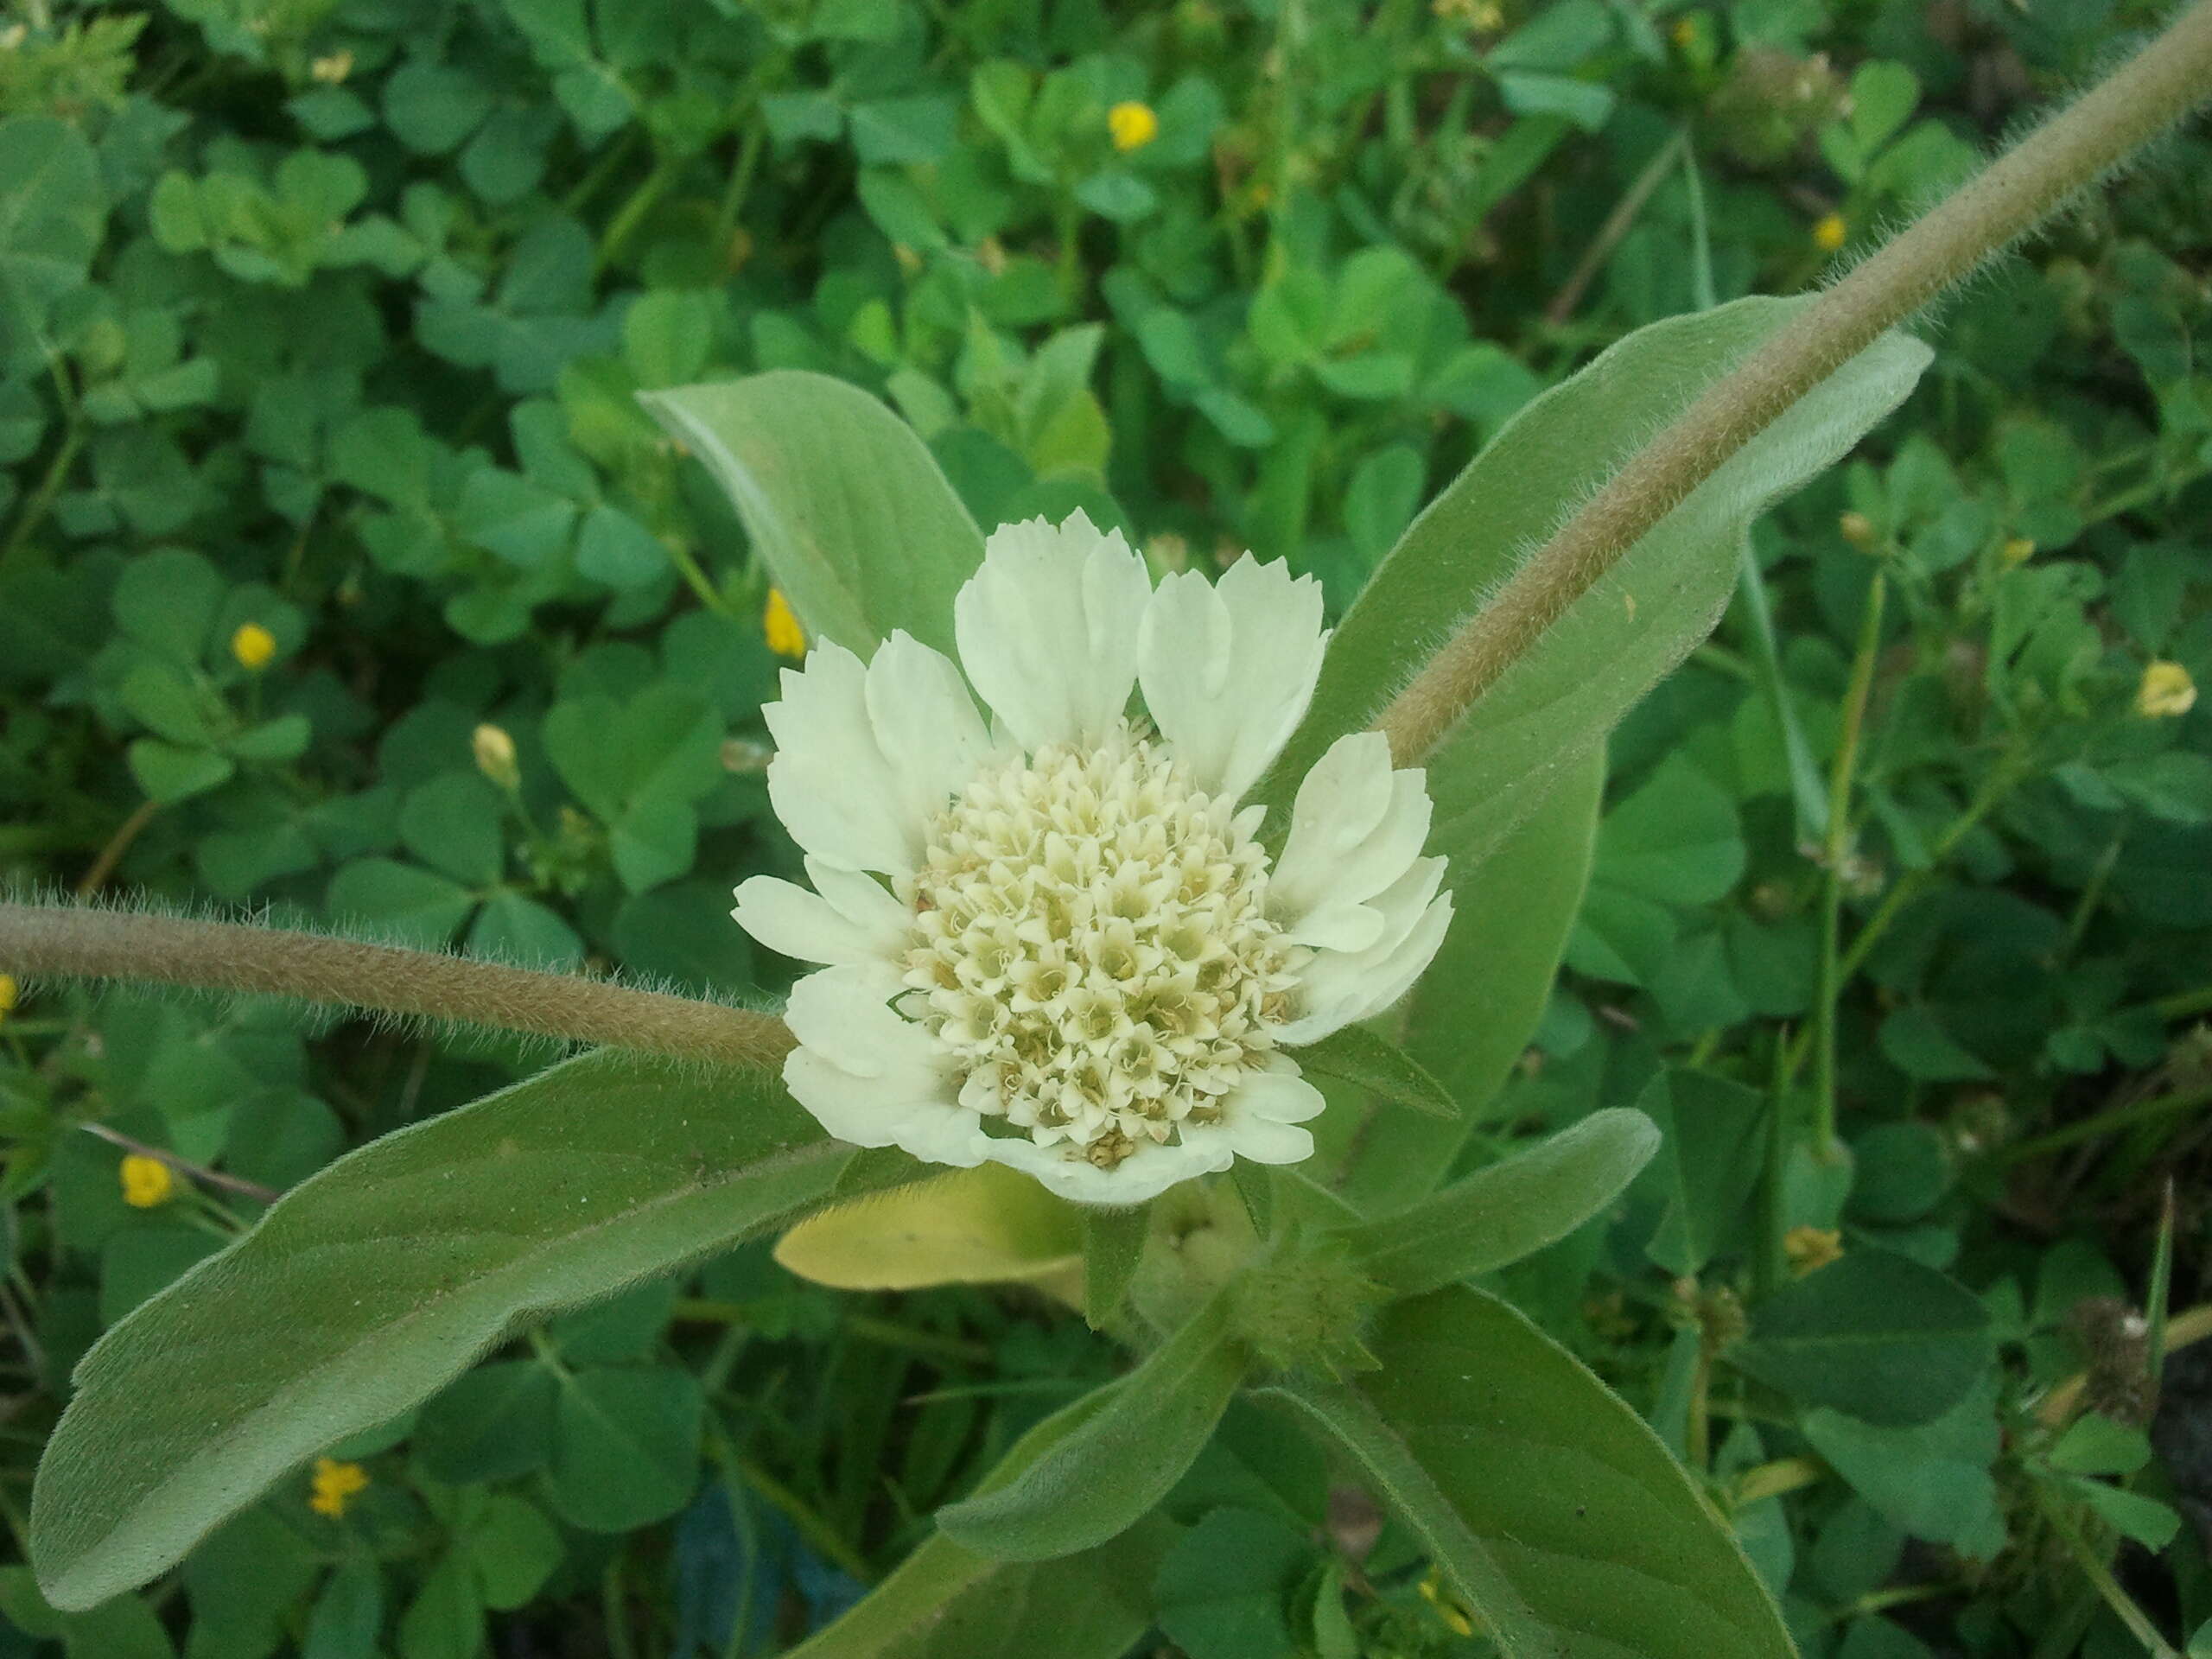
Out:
{"x": 376, "y": 1282}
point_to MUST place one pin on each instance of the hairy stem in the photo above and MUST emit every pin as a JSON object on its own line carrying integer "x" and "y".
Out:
{"x": 55, "y": 941}
{"x": 2071, "y": 151}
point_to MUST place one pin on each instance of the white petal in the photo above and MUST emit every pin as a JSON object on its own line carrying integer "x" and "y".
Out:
{"x": 1355, "y": 830}
{"x": 925, "y": 725}
{"x": 1228, "y": 667}
{"x": 839, "y": 922}
{"x": 1339, "y": 987}
{"x": 1047, "y": 628}
{"x": 1144, "y": 1174}
{"x": 830, "y": 781}
{"x": 870, "y": 1077}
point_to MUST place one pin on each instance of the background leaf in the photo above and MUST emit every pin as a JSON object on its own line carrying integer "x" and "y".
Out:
{"x": 860, "y": 527}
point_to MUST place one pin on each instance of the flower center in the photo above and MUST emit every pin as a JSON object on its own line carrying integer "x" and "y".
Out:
{"x": 1091, "y": 941}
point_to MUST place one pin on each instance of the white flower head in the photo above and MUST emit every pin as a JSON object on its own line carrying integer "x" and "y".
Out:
{"x": 1057, "y": 942}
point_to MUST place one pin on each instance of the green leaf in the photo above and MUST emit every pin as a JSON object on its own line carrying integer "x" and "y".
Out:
{"x": 454, "y": 823}
{"x": 1613, "y": 645}
{"x": 1932, "y": 1481}
{"x": 1548, "y": 1506}
{"x": 513, "y": 1549}
{"x": 1715, "y": 1134}
{"x": 1511, "y": 1210}
{"x": 2146, "y": 1520}
{"x": 494, "y": 1424}
{"x": 1112, "y": 1242}
{"x": 1223, "y": 1591}
{"x": 1132, "y": 1442}
{"x": 168, "y": 773}
{"x": 445, "y": 1620}
{"x": 1473, "y": 1013}
{"x": 858, "y": 526}
{"x": 551, "y": 1194}
{"x": 349, "y": 1614}
{"x": 2095, "y": 1445}
{"x": 1875, "y": 1334}
{"x": 944, "y": 1602}
{"x": 626, "y": 1446}
{"x": 1676, "y": 840}
{"x": 1367, "y": 1059}
{"x": 406, "y": 903}
{"x": 51, "y": 214}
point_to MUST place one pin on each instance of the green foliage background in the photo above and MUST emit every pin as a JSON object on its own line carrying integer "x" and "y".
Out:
{"x": 327, "y": 317}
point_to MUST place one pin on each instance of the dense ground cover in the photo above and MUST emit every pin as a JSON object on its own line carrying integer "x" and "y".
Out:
{"x": 340, "y": 573}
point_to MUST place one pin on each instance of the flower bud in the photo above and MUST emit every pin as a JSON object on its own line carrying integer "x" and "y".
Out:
{"x": 2016, "y": 550}
{"x": 254, "y": 647}
{"x": 1133, "y": 124}
{"x": 1857, "y": 529}
{"x": 1830, "y": 233}
{"x": 495, "y": 755}
{"x": 2166, "y": 691}
{"x": 147, "y": 1182}
{"x": 780, "y": 624}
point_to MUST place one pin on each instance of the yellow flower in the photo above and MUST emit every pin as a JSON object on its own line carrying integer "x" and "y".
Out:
{"x": 1133, "y": 124}
{"x": 1808, "y": 1247}
{"x": 780, "y": 623}
{"x": 2017, "y": 550}
{"x": 1828, "y": 235}
{"x": 1447, "y": 1606}
{"x": 335, "y": 1483}
{"x": 254, "y": 647}
{"x": 147, "y": 1182}
{"x": 495, "y": 755}
{"x": 10, "y": 994}
{"x": 2166, "y": 690}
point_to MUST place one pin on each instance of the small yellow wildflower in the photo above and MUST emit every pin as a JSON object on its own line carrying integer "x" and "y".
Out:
{"x": 10, "y": 994}
{"x": 780, "y": 623}
{"x": 1133, "y": 124}
{"x": 147, "y": 1182}
{"x": 2166, "y": 690}
{"x": 1857, "y": 529}
{"x": 335, "y": 1484}
{"x": 1455, "y": 1616}
{"x": 254, "y": 647}
{"x": 495, "y": 755}
{"x": 332, "y": 70}
{"x": 1829, "y": 233}
{"x": 1809, "y": 1248}
{"x": 2017, "y": 550}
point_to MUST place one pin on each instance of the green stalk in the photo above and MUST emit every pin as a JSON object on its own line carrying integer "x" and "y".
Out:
{"x": 2065, "y": 155}
{"x": 1838, "y": 855}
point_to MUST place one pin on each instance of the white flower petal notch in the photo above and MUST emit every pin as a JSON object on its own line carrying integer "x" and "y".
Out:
{"x": 1057, "y": 942}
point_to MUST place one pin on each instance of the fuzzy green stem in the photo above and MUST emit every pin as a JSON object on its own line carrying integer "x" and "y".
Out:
{"x": 2066, "y": 154}
{"x": 55, "y": 941}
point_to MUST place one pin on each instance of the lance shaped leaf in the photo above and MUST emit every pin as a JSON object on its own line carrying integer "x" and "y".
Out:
{"x": 1617, "y": 641}
{"x": 376, "y": 1282}
{"x": 1548, "y": 1506}
{"x": 1513, "y": 1209}
{"x": 946, "y": 1602}
{"x": 861, "y": 529}
{"x": 1133, "y": 1440}
{"x": 1473, "y": 1012}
